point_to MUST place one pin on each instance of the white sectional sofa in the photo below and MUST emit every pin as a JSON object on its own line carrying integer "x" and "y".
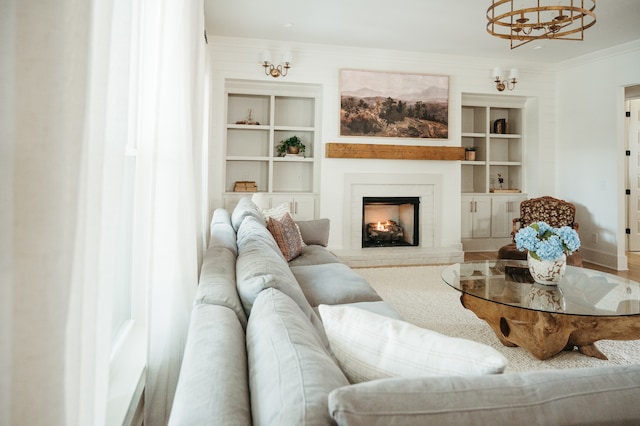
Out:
{"x": 258, "y": 353}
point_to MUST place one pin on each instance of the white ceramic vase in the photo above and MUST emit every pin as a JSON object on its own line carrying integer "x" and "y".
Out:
{"x": 547, "y": 272}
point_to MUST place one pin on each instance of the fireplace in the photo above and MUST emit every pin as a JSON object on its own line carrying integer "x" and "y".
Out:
{"x": 390, "y": 221}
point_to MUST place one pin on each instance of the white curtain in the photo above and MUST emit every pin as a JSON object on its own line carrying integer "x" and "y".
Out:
{"x": 171, "y": 105}
{"x": 46, "y": 56}
{"x": 61, "y": 169}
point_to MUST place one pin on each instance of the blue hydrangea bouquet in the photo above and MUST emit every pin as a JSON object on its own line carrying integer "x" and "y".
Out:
{"x": 545, "y": 242}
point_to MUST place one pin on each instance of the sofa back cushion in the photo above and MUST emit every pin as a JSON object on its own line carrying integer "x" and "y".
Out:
{"x": 213, "y": 382}
{"x": 260, "y": 265}
{"x": 223, "y": 235}
{"x": 217, "y": 285}
{"x": 315, "y": 231}
{"x": 290, "y": 370}
{"x": 595, "y": 396}
{"x": 244, "y": 208}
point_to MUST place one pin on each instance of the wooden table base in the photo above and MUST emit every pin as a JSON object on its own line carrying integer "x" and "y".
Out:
{"x": 545, "y": 334}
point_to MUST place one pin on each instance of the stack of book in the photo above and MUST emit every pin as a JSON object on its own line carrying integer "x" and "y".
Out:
{"x": 245, "y": 186}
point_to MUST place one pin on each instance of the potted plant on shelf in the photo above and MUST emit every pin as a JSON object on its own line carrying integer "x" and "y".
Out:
{"x": 470, "y": 153}
{"x": 292, "y": 145}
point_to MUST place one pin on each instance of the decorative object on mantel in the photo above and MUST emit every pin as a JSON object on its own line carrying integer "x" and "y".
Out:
{"x": 530, "y": 20}
{"x": 249, "y": 119}
{"x": 470, "y": 153}
{"x": 394, "y": 152}
{"x": 394, "y": 105}
{"x": 548, "y": 249}
{"x": 245, "y": 186}
{"x": 277, "y": 70}
{"x": 291, "y": 146}
{"x": 504, "y": 83}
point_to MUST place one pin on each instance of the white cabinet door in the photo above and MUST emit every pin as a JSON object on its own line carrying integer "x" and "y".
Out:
{"x": 302, "y": 207}
{"x": 466, "y": 228}
{"x": 482, "y": 217}
{"x": 504, "y": 210}
{"x": 476, "y": 217}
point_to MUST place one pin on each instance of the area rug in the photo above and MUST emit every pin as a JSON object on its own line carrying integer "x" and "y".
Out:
{"x": 422, "y": 298}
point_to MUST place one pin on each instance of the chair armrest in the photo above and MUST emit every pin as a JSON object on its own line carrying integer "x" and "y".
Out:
{"x": 514, "y": 226}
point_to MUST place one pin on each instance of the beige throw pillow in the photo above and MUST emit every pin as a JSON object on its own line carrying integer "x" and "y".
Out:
{"x": 369, "y": 346}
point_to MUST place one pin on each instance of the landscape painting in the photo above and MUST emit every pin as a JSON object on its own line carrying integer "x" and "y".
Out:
{"x": 394, "y": 105}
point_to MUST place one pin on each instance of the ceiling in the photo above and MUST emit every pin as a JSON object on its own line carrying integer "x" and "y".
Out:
{"x": 435, "y": 26}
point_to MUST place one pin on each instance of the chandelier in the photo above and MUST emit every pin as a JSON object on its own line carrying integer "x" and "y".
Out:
{"x": 536, "y": 20}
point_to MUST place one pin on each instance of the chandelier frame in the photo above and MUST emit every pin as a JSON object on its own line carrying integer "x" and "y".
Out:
{"x": 526, "y": 24}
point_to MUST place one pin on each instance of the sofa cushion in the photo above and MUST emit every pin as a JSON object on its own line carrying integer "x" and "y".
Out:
{"x": 290, "y": 370}
{"x": 369, "y": 346}
{"x": 223, "y": 235}
{"x": 260, "y": 265}
{"x": 220, "y": 215}
{"x": 251, "y": 231}
{"x": 381, "y": 308}
{"x": 332, "y": 284}
{"x": 596, "y": 396}
{"x": 287, "y": 236}
{"x": 315, "y": 231}
{"x": 217, "y": 284}
{"x": 314, "y": 255}
{"x": 244, "y": 208}
{"x": 213, "y": 381}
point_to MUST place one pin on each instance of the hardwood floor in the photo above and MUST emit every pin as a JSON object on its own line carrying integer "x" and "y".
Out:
{"x": 632, "y": 273}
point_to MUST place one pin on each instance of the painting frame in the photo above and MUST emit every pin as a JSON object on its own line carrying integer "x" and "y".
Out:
{"x": 382, "y": 104}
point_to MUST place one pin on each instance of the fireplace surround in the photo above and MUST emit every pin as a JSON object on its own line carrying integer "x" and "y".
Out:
{"x": 427, "y": 187}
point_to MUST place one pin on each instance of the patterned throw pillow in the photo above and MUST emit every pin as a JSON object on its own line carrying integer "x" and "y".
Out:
{"x": 287, "y": 236}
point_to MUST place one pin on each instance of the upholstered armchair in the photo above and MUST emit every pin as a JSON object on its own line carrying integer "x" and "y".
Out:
{"x": 547, "y": 209}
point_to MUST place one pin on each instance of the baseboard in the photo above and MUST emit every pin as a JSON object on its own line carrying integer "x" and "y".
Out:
{"x": 608, "y": 260}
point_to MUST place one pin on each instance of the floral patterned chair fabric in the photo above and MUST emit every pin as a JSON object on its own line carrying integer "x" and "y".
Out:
{"x": 544, "y": 209}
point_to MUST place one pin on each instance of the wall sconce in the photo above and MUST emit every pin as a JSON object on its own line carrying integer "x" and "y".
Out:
{"x": 278, "y": 70}
{"x": 501, "y": 83}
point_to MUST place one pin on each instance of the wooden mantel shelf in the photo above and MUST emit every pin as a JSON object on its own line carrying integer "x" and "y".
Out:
{"x": 394, "y": 152}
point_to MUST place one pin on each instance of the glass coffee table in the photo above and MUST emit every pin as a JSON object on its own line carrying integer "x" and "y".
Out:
{"x": 585, "y": 306}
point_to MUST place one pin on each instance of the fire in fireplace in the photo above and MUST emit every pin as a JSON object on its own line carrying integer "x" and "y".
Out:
{"x": 390, "y": 221}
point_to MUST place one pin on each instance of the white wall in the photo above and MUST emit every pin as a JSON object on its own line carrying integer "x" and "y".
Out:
{"x": 320, "y": 64}
{"x": 590, "y": 147}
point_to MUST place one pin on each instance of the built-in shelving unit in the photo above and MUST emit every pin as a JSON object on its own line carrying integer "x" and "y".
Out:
{"x": 494, "y": 127}
{"x": 258, "y": 116}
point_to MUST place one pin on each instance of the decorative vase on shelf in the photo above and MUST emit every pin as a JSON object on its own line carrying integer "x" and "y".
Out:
{"x": 545, "y": 298}
{"x": 547, "y": 272}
